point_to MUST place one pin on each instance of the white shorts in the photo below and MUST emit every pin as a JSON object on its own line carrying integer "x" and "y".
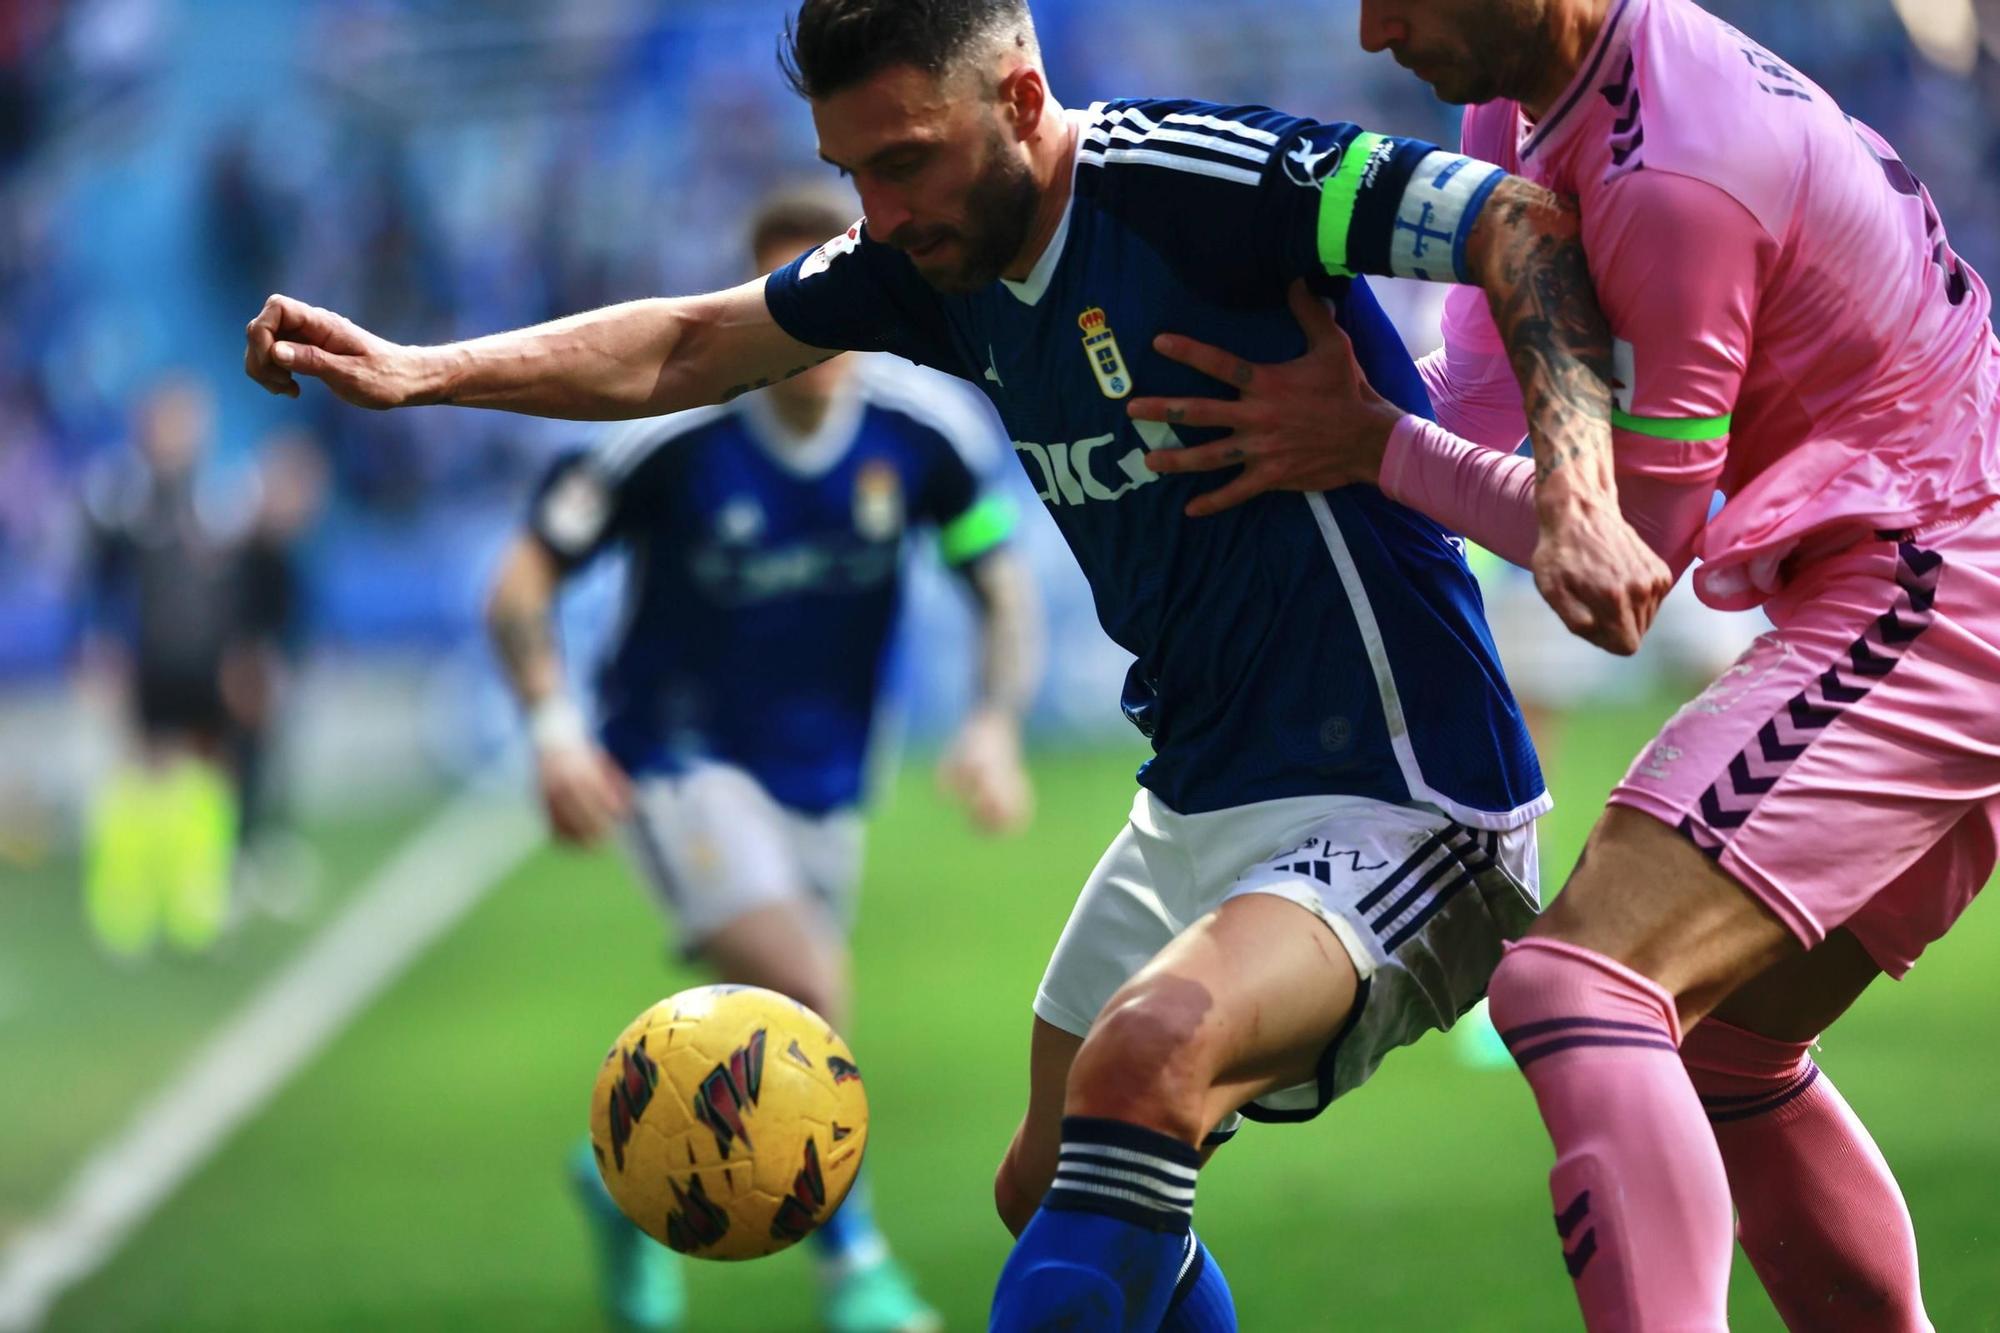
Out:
{"x": 713, "y": 845}
{"x": 1420, "y": 903}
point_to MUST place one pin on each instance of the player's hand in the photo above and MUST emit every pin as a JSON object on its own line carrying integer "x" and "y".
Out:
{"x": 290, "y": 338}
{"x": 983, "y": 770}
{"x": 1313, "y": 424}
{"x": 1599, "y": 575}
{"x": 584, "y": 791}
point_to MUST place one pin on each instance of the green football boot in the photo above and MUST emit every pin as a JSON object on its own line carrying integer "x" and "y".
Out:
{"x": 877, "y": 1298}
{"x": 639, "y": 1280}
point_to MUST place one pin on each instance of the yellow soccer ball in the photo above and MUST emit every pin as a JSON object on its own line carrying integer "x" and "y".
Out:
{"x": 729, "y": 1121}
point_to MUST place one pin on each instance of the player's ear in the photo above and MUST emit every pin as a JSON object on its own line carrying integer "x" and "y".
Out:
{"x": 1023, "y": 100}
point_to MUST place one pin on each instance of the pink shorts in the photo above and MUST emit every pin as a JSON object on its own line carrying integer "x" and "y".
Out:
{"x": 1846, "y": 769}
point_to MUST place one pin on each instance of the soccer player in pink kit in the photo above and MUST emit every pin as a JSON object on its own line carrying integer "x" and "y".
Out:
{"x": 1794, "y": 331}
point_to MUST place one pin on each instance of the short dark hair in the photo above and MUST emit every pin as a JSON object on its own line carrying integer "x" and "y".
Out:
{"x": 835, "y": 44}
{"x": 806, "y": 213}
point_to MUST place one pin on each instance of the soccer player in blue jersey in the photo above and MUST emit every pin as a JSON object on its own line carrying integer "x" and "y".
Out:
{"x": 1335, "y": 833}
{"x": 766, "y": 545}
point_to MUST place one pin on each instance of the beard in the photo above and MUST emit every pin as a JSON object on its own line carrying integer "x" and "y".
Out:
{"x": 1507, "y": 47}
{"x": 999, "y": 213}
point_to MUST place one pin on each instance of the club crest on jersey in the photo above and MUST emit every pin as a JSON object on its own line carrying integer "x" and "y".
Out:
{"x": 878, "y": 502}
{"x": 822, "y": 259}
{"x": 1106, "y": 361}
{"x": 740, "y": 521}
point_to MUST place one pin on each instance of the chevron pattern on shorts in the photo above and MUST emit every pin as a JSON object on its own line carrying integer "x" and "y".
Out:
{"x": 1729, "y": 802}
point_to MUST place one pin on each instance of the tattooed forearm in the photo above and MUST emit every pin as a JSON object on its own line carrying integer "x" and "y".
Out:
{"x": 520, "y": 621}
{"x": 1532, "y": 267}
{"x": 736, "y": 391}
{"x": 525, "y": 642}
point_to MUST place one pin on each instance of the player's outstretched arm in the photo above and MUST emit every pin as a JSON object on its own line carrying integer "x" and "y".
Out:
{"x": 639, "y": 359}
{"x": 983, "y": 766}
{"x": 584, "y": 792}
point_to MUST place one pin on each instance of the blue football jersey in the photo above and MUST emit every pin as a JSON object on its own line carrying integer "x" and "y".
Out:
{"x": 1300, "y": 644}
{"x": 764, "y": 573}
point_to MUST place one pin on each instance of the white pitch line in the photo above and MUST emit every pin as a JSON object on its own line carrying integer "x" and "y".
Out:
{"x": 432, "y": 881}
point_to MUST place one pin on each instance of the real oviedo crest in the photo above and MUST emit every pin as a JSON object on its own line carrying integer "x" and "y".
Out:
{"x": 878, "y": 502}
{"x": 1106, "y": 361}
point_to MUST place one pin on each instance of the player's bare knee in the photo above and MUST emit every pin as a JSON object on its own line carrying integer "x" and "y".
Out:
{"x": 1150, "y": 1058}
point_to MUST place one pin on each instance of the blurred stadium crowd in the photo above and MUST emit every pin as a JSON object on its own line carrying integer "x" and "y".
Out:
{"x": 443, "y": 169}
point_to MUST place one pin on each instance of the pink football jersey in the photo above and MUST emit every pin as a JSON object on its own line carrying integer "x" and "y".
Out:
{"x": 1793, "y": 326}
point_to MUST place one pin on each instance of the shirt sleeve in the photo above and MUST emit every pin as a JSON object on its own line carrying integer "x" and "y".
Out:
{"x": 959, "y": 496}
{"x": 971, "y": 517}
{"x": 1251, "y": 199}
{"x": 1678, "y": 265}
{"x": 856, "y": 294}
{"x": 573, "y": 513}
{"x": 1470, "y": 381}
{"x": 592, "y": 499}
{"x": 1489, "y": 496}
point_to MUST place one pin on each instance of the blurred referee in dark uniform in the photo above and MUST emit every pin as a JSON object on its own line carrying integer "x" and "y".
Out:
{"x": 163, "y": 617}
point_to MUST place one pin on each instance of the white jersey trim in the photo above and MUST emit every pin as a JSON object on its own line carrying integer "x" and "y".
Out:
{"x": 1175, "y": 149}
{"x": 1392, "y": 700}
{"x": 1036, "y": 286}
{"x": 811, "y": 455}
{"x": 620, "y": 451}
{"x": 942, "y": 404}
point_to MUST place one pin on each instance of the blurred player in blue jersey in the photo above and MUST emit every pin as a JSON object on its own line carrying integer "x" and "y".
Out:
{"x": 766, "y": 544}
{"x": 1335, "y": 833}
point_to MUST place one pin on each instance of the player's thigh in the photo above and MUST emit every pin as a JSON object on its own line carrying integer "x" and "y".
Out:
{"x": 786, "y": 947}
{"x": 1837, "y": 752}
{"x": 1244, "y": 1002}
{"x": 1646, "y": 897}
{"x": 719, "y": 855}
{"x": 1030, "y": 1161}
{"x": 1800, "y": 996}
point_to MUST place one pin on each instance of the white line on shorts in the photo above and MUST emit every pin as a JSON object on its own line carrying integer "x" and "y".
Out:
{"x": 430, "y": 882}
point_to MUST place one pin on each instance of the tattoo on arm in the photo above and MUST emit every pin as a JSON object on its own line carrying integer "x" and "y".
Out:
{"x": 1011, "y": 650}
{"x": 1538, "y": 286}
{"x": 736, "y": 391}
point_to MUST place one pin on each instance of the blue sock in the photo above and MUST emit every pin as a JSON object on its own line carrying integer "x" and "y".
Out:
{"x": 1201, "y": 1302}
{"x": 1110, "y": 1241}
{"x": 848, "y": 1240}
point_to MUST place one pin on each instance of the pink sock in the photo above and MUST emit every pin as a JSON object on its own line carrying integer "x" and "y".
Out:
{"x": 1642, "y": 1204}
{"x": 1817, "y": 1209}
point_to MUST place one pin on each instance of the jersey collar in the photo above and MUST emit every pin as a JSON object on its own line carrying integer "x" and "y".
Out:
{"x": 806, "y": 456}
{"x": 1614, "y": 40}
{"x": 1035, "y": 286}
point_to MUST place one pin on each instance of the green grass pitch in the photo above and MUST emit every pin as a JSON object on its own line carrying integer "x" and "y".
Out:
{"x": 412, "y": 1176}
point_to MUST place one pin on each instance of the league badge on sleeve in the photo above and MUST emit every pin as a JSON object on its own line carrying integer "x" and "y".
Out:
{"x": 1106, "y": 361}
{"x": 822, "y": 259}
{"x": 575, "y": 512}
